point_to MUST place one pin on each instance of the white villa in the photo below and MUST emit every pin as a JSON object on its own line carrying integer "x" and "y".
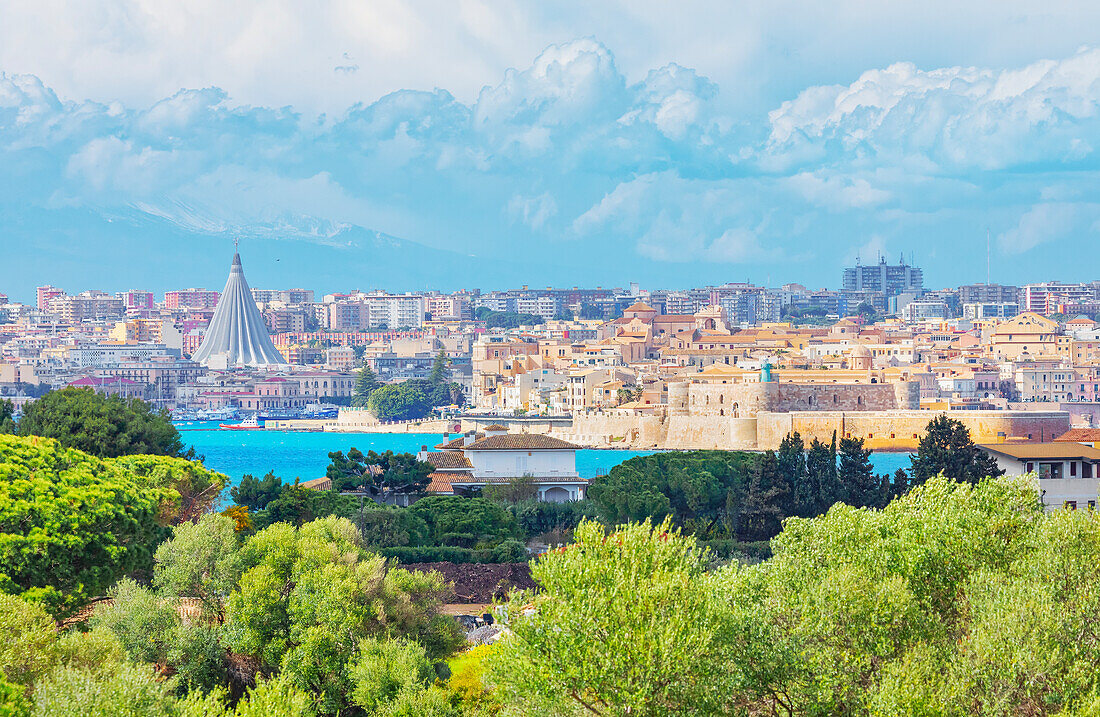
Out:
{"x": 475, "y": 460}
{"x": 1067, "y": 473}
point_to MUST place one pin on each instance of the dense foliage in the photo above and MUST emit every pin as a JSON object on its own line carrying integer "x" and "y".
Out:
{"x": 400, "y": 472}
{"x": 105, "y": 426}
{"x": 365, "y": 384}
{"x": 92, "y": 675}
{"x": 308, "y": 604}
{"x": 955, "y": 599}
{"x": 7, "y": 416}
{"x": 506, "y": 319}
{"x": 72, "y": 524}
{"x": 415, "y": 398}
{"x": 740, "y": 495}
{"x": 946, "y": 448}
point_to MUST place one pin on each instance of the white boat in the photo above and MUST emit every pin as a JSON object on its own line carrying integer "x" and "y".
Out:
{"x": 252, "y": 423}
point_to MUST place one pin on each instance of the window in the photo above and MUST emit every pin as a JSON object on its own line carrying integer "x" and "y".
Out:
{"x": 1073, "y": 469}
{"x": 1052, "y": 471}
{"x": 1070, "y": 505}
{"x": 1086, "y": 470}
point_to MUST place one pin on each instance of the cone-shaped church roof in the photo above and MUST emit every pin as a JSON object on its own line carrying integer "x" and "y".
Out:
{"x": 238, "y": 329}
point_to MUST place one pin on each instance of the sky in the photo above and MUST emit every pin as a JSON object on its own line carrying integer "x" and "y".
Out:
{"x": 461, "y": 144}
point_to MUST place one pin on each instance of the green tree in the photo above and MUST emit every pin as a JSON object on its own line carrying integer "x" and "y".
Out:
{"x": 126, "y": 690}
{"x": 104, "y": 426}
{"x": 308, "y": 597}
{"x": 820, "y": 487}
{"x": 27, "y": 641}
{"x": 7, "y": 416}
{"x": 439, "y": 372}
{"x": 389, "y": 527}
{"x": 297, "y": 506}
{"x": 385, "y": 669}
{"x": 861, "y": 487}
{"x": 380, "y": 474}
{"x": 72, "y": 524}
{"x": 255, "y": 493}
{"x": 399, "y": 402}
{"x": 366, "y": 383}
{"x": 693, "y": 487}
{"x": 464, "y": 522}
{"x": 590, "y": 311}
{"x": 946, "y": 449}
{"x": 199, "y": 561}
{"x": 760, "y": 514}
{"x": 791, "y": 463}
{"x": 625, "y": 624}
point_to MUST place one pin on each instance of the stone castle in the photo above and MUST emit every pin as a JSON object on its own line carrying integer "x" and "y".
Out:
{"x": 732, "y": 409}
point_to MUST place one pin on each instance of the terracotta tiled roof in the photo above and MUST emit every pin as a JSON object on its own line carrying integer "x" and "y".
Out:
{"x": 455, "y": 443}
{"x": 448, "y": 460}
{"x": 1080, "y": 435}
{"x": 519, "y": 442}
{"x": 639, "y": 306}
{"x": 441, "y": 482}
{"x": 496, "y": 427}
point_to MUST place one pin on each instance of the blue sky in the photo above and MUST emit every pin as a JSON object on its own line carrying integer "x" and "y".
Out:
{"x": 462, "y": 144}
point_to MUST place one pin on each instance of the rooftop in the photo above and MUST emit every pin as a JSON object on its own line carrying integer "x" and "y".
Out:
{"x": 1034, "y": 450}
{"x": 1080, "y": 435}
{"x": 520, "y": 442}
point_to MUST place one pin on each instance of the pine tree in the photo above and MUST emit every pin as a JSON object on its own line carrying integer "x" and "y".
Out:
{"x": 761, "y": 511}
{"x": 365, "y": 384}
{"x": 857, "y": 477}
{"x": 947, "y": 448}
{"x": 439, "y": 369}
{"x": 791, "y": 464}
{"x": 820, "y": 489}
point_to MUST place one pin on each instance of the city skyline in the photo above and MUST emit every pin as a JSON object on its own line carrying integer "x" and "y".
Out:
{"x": 842, "y": 282}
{"x": 575, "y": 155}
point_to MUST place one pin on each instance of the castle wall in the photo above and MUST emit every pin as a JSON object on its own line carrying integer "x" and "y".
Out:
{"x": 881, "y": 430}
{"x": 901, "y": 430}
{"x": 608, "y": 431}
{"x": 749, "y": 399}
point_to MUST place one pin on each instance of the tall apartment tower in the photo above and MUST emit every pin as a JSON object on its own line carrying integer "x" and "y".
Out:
{"x": 891, "y": 279}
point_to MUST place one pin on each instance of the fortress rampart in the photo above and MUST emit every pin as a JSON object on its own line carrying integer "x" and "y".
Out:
{"x": 881, "y": 430}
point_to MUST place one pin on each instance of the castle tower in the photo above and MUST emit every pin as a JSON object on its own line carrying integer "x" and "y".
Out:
{"x": 237, "y": 330}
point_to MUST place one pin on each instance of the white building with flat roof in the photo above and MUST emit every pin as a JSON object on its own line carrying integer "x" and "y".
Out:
{"x": 1066, "y": 474}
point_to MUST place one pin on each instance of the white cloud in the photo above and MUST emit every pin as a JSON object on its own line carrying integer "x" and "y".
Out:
{"x": 1049, "y": 222}
{"x": 534, "y": 212}
{"x": 566, "y": 147}
{"x": 955, "y": 118}
{"x": 837, "y": 192}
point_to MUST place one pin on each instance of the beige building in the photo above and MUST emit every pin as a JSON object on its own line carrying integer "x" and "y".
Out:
{"x": 1026, "y": 335}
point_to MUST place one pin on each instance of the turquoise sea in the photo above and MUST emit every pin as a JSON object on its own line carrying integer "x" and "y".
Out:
{"x": 295, "y": 454}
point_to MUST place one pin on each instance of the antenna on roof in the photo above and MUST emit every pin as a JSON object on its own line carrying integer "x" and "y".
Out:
{"x": 987, "y": 255}
{"x": 236, "y": 243}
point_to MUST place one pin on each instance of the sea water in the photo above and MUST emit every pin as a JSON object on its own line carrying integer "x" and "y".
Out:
{"x": 301, "y": 454}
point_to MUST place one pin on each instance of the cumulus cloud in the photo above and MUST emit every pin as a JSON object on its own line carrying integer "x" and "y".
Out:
{"x": 649, "y": 173}
{"x": 1048, "y": 222}
{"x": 955, "y": 118}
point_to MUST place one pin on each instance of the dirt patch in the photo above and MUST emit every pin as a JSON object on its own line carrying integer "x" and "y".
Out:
{"x": 480, "y": 582}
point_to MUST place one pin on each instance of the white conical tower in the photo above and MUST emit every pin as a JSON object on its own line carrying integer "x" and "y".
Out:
{"x": 237, "y": 330}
